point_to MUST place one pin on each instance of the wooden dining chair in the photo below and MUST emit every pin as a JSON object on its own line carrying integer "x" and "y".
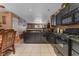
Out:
{"x": 7, "y": 42}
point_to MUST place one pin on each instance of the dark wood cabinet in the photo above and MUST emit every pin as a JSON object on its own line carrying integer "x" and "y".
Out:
{"x": 53, "y": 20}
{"x": 72, "y": 17}
{"x": 77, "y": 17}
{"x": 67, "y": 20}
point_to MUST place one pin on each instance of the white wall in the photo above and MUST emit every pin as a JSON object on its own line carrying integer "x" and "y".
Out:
{"x": 22, "y": 27}
{"x": 18, "y": 26}
{"x": 15, "y": 23}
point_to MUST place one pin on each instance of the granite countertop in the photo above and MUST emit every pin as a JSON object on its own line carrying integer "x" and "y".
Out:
{"x": 75, "y": 39}
{"x": 72, "y": 37}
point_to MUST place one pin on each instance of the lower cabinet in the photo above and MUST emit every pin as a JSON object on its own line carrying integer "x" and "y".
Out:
{"x": 62, "y": 48}
{"x": 74, "y": 53}
{"x": 75, "y": 48}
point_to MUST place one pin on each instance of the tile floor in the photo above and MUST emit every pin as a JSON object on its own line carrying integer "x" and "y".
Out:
{"x": 34, "y": 50}
{"x": 34, "y": 45}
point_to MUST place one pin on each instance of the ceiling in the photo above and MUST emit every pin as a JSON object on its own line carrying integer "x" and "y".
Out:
{"x": 33, "y": 12}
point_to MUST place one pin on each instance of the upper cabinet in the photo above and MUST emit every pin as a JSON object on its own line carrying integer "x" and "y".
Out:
{"x": 77, "y": 17}
{"x": 53, "y": 20}
{"x": 0, "y": 20}
{"x": 64, "y": 9}
{"x": 73, "y": 6}
{"x": 69, "y": 14}
{"x": 6, "y": 20}
{"x": 3, "y": 19}
{"x": 67, "y": 20}
{"x": 72, "y": 17}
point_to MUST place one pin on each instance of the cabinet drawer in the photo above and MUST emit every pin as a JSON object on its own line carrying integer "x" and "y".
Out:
{"x": 74, "y": 53}
{"x": 75, "y": 46}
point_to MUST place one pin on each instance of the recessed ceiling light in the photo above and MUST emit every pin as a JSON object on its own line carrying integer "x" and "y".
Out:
{"x": 48, "y": 9}
{"x": 30, "y": 9}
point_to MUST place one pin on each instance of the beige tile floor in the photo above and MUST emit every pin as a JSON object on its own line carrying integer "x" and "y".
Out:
{"x": 34, "y": 50}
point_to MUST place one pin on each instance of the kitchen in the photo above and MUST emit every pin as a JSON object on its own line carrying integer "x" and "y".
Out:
{"x": 57, "y": 27}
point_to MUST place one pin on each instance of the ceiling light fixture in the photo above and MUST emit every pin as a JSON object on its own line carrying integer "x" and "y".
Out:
{"x": 48, "y": 9}
{"x": 30, "y": 9}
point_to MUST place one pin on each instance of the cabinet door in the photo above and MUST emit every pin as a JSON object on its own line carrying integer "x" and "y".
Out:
{"x": 53, "y": 21}
{"x": 77, "y": 17}
{"x": 67, "y": 20}
{"x": 0, "y": 20}
{"x": 3, "y": 19}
